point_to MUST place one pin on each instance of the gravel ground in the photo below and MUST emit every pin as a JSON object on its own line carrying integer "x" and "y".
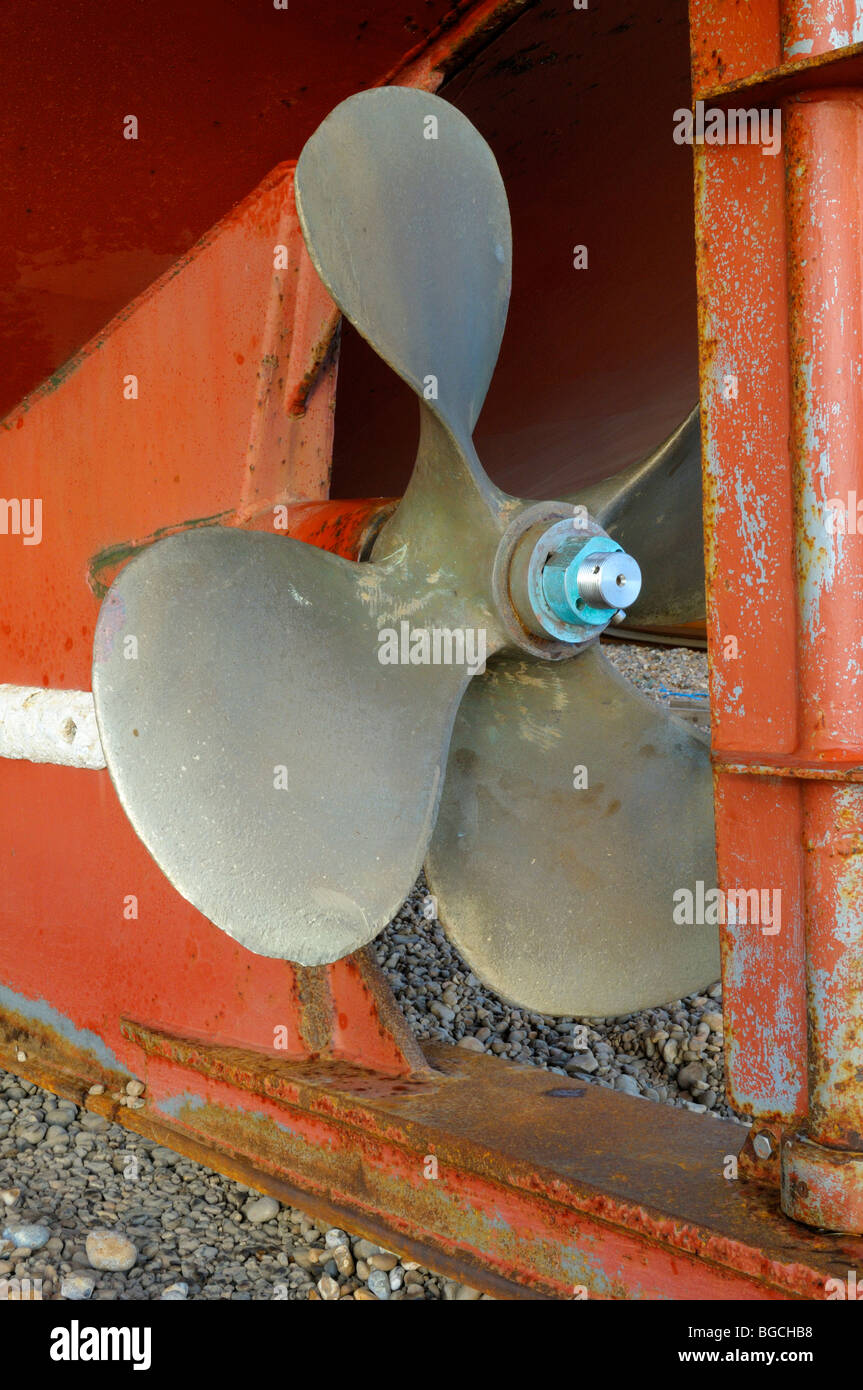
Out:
{"x": 654, "y": 668}
{"x": 96, "y": 1211}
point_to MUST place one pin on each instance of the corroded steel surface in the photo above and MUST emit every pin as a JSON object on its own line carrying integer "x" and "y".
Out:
{"x": 779, "y": 317}
{"x": 221, "y": 92}
{"x": 822, "y": 140}
{"x": 479, "y": 1168}
{"x": 749, "y": 555}
{"x": 345, "y": 528}
{"x": 822, "y": 1186}
{"x": 730, "y": 42}
{"x": 764, "y": 999}
{"x": 831, "y": 769}
{"x": 218, "y": 353}
{"x": 461, "y": 35}
{"x": 136, "y": 948}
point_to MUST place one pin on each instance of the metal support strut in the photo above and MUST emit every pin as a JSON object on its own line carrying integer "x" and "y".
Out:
{"x": 782, "y": 401}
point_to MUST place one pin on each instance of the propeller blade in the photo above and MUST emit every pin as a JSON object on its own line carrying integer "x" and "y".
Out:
{"x": 653, "y": 509}
{"x": 283, "y": 778}
{"x": 561, "y": 898}
{"x": 406, "y": 220}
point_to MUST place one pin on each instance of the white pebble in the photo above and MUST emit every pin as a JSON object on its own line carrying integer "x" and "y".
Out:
{"x": 110, "y": 1250}
{"x": 77, "y": 1286}
{"x": 264, "y": 1209}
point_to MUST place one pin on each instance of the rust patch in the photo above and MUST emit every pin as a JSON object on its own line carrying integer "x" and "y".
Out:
{"x": 106, "y": 564}
{"x": 316, "y": 1007}
{"x": 257, "y": 1072}
{"x": 54, "y": 1063}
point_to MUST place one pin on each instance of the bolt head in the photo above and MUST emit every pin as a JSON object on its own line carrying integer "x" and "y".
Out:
{"x": 763, "y": 1144}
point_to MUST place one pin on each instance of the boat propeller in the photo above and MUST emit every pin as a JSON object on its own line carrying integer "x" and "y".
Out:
{"x": 292, "y": 734}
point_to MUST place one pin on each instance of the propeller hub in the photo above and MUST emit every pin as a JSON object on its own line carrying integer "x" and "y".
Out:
{"x": 587, "y": 582}
{"x": 563, "y": 580}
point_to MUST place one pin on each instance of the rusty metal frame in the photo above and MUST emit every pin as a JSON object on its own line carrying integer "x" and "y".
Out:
{"x": 779, "y": 246}
{"x": 507, "y": 1177}
{"x": 485, "y": 1171}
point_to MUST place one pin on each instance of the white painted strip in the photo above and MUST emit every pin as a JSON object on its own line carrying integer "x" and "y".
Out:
{"x": 49, "y": 726}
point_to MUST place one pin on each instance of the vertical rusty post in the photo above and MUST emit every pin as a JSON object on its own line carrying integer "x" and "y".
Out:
{"x": 822, "y": 1166}
{"x": 749, "y": 548}
{"x": 780, "y": 250}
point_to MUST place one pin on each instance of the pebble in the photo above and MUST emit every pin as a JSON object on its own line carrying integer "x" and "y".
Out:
{"x": 93, "y": 1123}
{"x": 470, "y": 1043}
{"x": 135, "y": 1088}
{"x": 689, "y": 1075}
{"x": 165, "y": 1158}
{"x": 627, "y": 1084}
{"x": 328, "y": 1288}
{"x": 175, "y": 1293}
{"x": 110, "y": 1250}
{"x": 383, "y": 1261}
{"x": 77, "y": 1286}
{"x": 334, "y": 1238}
{"x": 379, "y": 1284}
{"x": 31, "y": 1134}
{"x": 264, "y": 1209}
{"x": 62, "y": 1115}
{"x": 27, "y": 1235}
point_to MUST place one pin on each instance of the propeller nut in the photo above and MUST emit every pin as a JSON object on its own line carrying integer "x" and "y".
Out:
{"x": 587, "y": 582}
